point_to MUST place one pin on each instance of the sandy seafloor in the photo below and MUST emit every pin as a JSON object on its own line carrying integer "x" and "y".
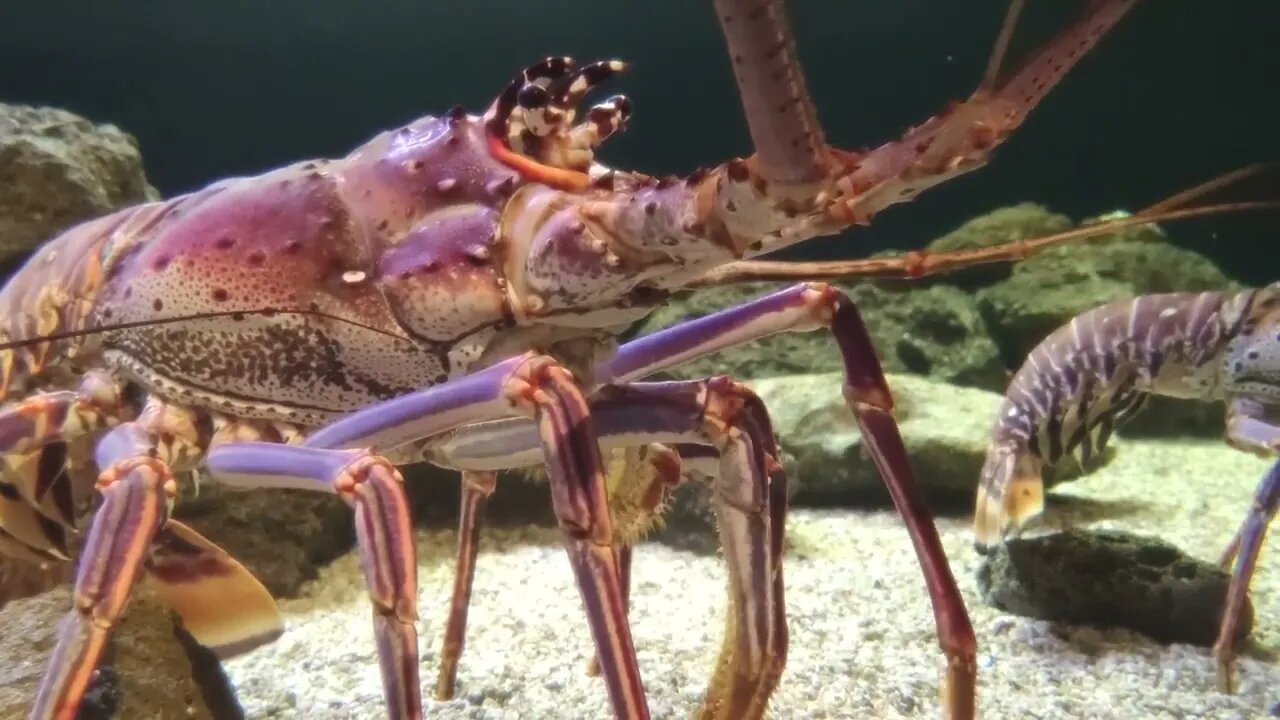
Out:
{"x": 862, "y": 636}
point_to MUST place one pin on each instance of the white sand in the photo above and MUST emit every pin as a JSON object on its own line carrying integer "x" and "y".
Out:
{"x": 863, "y": 643}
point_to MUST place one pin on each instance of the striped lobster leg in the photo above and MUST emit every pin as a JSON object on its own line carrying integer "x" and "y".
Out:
{"x": 37, "y": 505}
{"x": 531, "y": 385}
{"x": 1252, "y": 370}
{"x": 750, "y": 488}
{"x": 130, "y": 537}
{"x": 639, "y": 480}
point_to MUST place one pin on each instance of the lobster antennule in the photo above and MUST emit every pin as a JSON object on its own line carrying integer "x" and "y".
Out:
{"x": 788, "y": 140}
{"x": 918, "y": 264}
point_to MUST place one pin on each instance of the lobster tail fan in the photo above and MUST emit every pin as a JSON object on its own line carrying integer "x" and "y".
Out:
{"x": 222, "y": 605}
{"x": 1010, "y": 493}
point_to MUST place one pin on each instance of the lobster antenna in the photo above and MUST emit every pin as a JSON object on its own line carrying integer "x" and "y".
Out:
{"x": 85, "y": 332}
{"x": 1207, "y": 187}
{"x": 1002, "y": 47}
{"x": 917, "y": 264}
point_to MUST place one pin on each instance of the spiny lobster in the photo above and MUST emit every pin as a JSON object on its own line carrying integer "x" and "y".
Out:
{"x": 453, "y": 291}
{"x": 1092, "y": 374}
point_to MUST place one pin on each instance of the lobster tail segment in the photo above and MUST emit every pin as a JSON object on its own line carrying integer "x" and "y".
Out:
{"x": 1010, "y": 492}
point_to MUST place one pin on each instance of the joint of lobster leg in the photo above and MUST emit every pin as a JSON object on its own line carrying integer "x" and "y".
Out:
{"x": 1236, "y": 609}
{"x": 871, "y": 401}
{"x": 384, "y": 532}
{"x": 137, "y": 493}
{"x": 579, "y": 495}
{"x": 749, "y": 483}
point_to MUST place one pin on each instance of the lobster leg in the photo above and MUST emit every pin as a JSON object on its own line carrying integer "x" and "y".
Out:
{"x": 807, "y": 307}
{"x": 384, "y": 533}
{"x": 1246, "y": 429}
{"x": 138, "y": 491}
{"x": 476, "y": 489}
{"x": 1252, "y": 533}
{"x": 530, "y": 384}
{"x": 750, "y": 504}
{"x": 36, "y": 500}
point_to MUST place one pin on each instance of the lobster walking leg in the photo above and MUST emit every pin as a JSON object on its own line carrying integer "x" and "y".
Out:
{"x": 750, "y": 502}
{"x": 476, "y": 489}
{"x": 1247, "y": 429}
{"x": 384, "y": 533}
{"x": 138, "y": 491}
{"x": 36, "y": 500}
{"x": 1252, "y": 533}
{"x": 808, "y": 307}
{"x": 529, "y": 384}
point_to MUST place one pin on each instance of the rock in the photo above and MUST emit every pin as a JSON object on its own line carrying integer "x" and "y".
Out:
{"x": 19, "y": 579}
{"x": 1049, "y": 289}
{"x": 935, "y": 331}
{"x": 1110, "y": 579}
{"x": 281, "y": 536}
{"x": 147, "y": 671}
{"x": 57, "y": 169}
{"x": 943, "y": 426}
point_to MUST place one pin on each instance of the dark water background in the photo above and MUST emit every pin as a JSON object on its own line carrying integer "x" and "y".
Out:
{"x": 1180, "y": 91}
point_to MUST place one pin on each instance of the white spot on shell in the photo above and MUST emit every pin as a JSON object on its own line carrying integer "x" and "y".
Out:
{"x": 1168, "y": 313}
{"x": 351, "y": 277}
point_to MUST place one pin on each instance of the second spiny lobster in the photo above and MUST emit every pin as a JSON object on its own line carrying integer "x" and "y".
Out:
{"x": 1089, "y": 376}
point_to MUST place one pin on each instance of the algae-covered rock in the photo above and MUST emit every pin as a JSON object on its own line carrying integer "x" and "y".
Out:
{"x": 943, "y": 426}
{"x": 1110, "y": 579}
{"x": 147, "y": 671}
{"x": 57, "y": 169}
{"x": 1050, "y": 288}
{"x": 934, "y": 331}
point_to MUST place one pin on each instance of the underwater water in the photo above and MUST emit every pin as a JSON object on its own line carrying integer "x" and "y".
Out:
{"x": 1107, "y": 608}
{"x": 213, "y": 89}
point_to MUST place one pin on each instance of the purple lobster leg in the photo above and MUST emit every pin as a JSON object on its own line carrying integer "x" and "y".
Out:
{"x": 138, "y": 490}
{"x": 527, "y": 385}
{"x": 750, "y": 503}
{"x": 477, "y": 486}
{"x": 1247, "y": 429}
{"x": 1252, "y": 533}
{"x": 810, "y": 306}
{"x": 384, "y": 533}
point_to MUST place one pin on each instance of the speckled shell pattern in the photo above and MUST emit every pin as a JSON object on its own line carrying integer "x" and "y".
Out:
{"x": 294, "y": 295}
